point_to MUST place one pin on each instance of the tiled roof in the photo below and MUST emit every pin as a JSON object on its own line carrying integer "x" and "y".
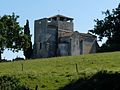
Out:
{"x": 86, "y": 35}
{"x": 82, "y": 35}
{"x": 66, "y": 34}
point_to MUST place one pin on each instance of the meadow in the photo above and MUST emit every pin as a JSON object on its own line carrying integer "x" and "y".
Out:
{"x": 57, "y": 72}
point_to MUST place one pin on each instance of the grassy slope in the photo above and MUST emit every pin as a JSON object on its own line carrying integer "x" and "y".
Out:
{"x": 53, "y": 73}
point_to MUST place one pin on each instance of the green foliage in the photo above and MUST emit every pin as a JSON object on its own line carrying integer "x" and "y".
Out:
{"x": 28, "y": 50}
{"x": 11, "y": 34}
{"x": 53, "y": 73}
{"x": 10, "y": 30}
{"x": 11, "y": 83}
{"x": 109, "y": 27}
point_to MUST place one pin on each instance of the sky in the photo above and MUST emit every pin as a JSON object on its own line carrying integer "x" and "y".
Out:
{"x": 83, "y": 11}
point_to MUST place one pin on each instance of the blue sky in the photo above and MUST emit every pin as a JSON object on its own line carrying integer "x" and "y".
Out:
{"x": 83, "y": 11}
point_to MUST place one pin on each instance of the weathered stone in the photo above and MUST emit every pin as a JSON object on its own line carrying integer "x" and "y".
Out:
{"x": 55, "y": 36}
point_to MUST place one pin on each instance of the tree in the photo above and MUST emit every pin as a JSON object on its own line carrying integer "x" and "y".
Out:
{"x": 109, "y": 27}
{"x": 28, "y": 51}
{"x": 11, "y": 34}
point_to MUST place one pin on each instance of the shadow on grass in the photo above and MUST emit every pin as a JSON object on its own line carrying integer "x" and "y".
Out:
{"x": 11, "y": 83}
{"x": 102, "y": 80}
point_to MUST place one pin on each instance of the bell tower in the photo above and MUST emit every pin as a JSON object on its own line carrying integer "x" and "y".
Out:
{"x": 46, "y": 34}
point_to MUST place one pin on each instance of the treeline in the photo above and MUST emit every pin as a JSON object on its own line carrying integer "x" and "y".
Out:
{"x": 13, "y": 36}
{"x": 109, "y": 27}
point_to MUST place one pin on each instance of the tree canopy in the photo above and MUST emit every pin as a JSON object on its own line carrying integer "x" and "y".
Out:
{"x": 109, "y": 27}
{"x": 11, "y": 34}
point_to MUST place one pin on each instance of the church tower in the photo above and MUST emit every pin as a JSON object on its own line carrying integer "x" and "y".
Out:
{"x": 46, "y": 34}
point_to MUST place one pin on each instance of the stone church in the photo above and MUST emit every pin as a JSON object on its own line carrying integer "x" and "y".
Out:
{"x": 55, "y": 36}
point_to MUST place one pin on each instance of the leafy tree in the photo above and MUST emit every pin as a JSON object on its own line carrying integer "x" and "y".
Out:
{"x": 109, "y": 27}
{"x": 28, "y": 51}
{"x": 11, "y": 34}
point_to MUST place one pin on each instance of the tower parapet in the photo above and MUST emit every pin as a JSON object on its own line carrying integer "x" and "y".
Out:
{"x": 63, "y": 23}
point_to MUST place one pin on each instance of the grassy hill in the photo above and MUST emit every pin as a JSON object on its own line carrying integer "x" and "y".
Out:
{"x": 54, "y": 73}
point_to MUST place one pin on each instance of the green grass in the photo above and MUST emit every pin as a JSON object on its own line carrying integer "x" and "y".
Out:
{"x": 53, "y": 73}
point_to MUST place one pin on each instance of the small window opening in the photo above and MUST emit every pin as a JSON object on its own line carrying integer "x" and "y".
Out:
{"x": 40, "y": 45}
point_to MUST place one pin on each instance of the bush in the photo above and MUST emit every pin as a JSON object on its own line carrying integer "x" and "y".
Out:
{"x": 11, "y": 83}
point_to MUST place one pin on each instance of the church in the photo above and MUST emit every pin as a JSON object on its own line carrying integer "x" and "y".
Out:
{"x": 55, "y": 36}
